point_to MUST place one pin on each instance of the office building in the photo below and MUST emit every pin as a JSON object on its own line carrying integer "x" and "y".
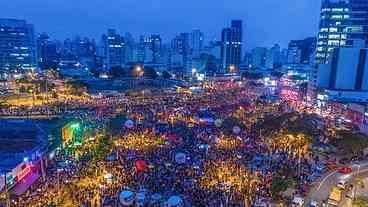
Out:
{"x": 47, "y": 53}
{"x": 131, "y": 48}
{"x": 231, "y": 50}
{"x": 259, "y": 55}
{"x": 345, "y": 77}
{"x": 341, "y": 22}
{"x": 17, "y": 45}
{"x": 149, "y": 50}
{"x": 301, "y": 51}
{"x": 181, "y": 49}
{"x": 112, "y": 49}
{"x": 273, "y": 57}
{"x": 197, "y": 39}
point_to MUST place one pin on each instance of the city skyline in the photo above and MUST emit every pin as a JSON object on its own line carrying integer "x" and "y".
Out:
{"x": 130, "y": 17}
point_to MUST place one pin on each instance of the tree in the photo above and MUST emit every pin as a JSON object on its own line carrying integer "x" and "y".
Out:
{"x": 351, "y": 143}
{"x": 278, "y": 186}
{"x": 150, "y": 73}
{"x": 76, "y": 87}
{"x": 116, "y": 124}
{"x": 230, "y": 123}
{"x": 277, "y": 74}
{"x": 166, "y": 75}
{"x": 252, "y": 75}
{"x": 118, "y": 72}
{"x": 361, "y": 202}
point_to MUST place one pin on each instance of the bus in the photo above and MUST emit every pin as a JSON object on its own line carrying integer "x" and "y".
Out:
{"x": 335, "y": 197}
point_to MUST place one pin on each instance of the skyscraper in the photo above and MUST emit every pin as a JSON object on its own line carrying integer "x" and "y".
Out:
{"x": 181, "y": 47}
{"x": 48, "y": 56}
{"x": 259, "y": 57}
{"x": 273, "y": 57}
{"x": 341, "y": 22}
{"x": 300, "y": 51}
{"x": 197, "y": 43}
{"x": 112, "y": 49}
{"x": 231, "y": 50}
{"x": 156, "y": 48}
{"x": 149, "y": 50}
{"x": 17, "y": 45}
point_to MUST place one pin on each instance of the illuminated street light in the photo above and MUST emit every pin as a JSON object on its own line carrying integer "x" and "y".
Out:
{"x": 139, "y": 70}
{"x": 232, "y": 68}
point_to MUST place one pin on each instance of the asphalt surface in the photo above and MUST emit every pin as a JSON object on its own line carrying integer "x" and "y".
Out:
{"x": 321, "y": 189}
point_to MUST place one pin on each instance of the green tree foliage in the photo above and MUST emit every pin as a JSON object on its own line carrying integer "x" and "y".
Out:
{"x": 278, "y": 186}
{"x": 351, "y": 143}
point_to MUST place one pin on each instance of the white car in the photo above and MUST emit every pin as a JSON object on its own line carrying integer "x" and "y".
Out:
{"x": 298, "y": 202}
{"x": 342, "y": 184}
{"x": 313, "y": 204}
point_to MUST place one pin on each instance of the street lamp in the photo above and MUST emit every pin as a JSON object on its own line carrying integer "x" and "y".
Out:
{"x": 139, "y": 71}
{"x": 232, "y": 68}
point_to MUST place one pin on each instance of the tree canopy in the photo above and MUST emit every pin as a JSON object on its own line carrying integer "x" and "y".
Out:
{"x": 166, "y": 75}
{"x": 351, "y": 143}
{"x": 150, "y": 73}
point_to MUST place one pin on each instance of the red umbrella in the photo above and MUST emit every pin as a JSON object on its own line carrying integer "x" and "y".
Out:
{"x": 141, "y": 166}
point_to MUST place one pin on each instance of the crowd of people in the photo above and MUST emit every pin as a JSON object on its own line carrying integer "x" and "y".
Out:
{"x": 184, "y": 144}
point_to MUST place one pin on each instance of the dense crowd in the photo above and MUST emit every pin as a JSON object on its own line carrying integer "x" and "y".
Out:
{"x": 217, "y": 166}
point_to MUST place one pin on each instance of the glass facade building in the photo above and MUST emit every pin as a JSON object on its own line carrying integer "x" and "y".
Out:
{"x": 231, "y": 49}
{"x": 113, "y": 52}
{"x": 342, "y": 21}
{"x": 17, "y": 45}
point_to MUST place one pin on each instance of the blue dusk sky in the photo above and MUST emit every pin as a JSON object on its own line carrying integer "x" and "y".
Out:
{"x": 265, "y": 21}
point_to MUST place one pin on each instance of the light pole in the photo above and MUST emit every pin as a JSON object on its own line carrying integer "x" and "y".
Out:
{"x": 356, "y": 181}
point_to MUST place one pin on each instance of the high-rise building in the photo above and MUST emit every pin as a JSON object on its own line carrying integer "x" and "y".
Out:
{"x": 359, "y": 21}
{"x": 48, "y": 56}
{"x": 84, "y": 51}
{"x": 17, "y": 45}
{"x": 231, "y": 50}
{"x": 130, "y": 48}
{"x": 181, "y": 48}
{"x": 341, "y": 22}
{"x": 156, "y": 44}
{"x": 301, "y": 51}
{"x": 259, "y": 55}
{"x": 149, "y": 50}
{"x": 197, "y": 43}
{"x": 273, "y": 58}
{"x": 346, "y": 76}
{"x": 112, "y": 49}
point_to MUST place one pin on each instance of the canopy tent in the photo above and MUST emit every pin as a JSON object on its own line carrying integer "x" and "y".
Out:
{"x": 126, "y": 198}
{"x": 180, "y": 158}
{"x": 175, "y": 201}
{"x": 129, "y": 124}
